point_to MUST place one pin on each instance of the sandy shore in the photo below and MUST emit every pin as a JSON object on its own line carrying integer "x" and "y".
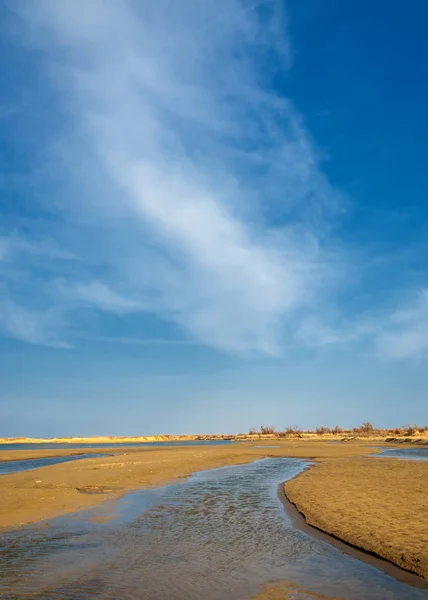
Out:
{"x": 106, "y": 439}
{"x": 377, "y": 504}
{"x": 47, "y": 492}
{"x": 420, "y": 437}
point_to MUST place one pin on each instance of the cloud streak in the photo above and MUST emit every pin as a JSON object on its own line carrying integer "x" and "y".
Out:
{"x": 183, "y": 152}
{"x": 405, "y": 333}
{"x": 179, "y": 182}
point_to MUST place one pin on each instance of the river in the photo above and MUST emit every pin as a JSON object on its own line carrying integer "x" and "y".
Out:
{"x": 219, "y": 535}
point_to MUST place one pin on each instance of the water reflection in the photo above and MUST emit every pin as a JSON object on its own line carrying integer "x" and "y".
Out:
{"x": 16, "y": 466}
{"x": 407, "y": 453}
{"x": 218, "y": 536}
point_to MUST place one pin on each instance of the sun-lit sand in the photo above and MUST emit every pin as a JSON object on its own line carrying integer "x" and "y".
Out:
{"x": 378, "y": 504}
{"x": 284, "y": 590}
{"x": 54, "y": 490}
{"x": 102, "y": 439}
{"x": 377, "y": 435}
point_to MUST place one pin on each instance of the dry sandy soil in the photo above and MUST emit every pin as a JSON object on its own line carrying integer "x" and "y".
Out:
{"x": 419, "y": 437}
{"x": 377, "y": 504}
{"x": 100, "y": 439}
{"x": 289, "y": 591}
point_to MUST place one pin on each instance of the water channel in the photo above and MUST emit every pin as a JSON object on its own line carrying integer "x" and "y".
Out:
{"x": 219, "y": 535}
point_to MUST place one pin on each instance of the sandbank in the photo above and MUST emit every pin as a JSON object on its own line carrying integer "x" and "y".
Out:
{"x": 376, "y": 504}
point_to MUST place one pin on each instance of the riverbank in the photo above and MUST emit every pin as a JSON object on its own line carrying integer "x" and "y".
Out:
{"x": 48, "y": 492}
{"x": 376, "y": 504}
{"x": 110, "y": 439}
{"x": 391, "y": 436}
{"x": 379, "y": 505}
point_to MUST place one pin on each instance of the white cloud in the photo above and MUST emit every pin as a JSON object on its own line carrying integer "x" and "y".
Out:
{"x": 313, "y": 332}
{"x": 100, "y": 295}
{"x": 187, "y": 152}
{"x": 14, "y": 244}
{"x": 134, "y": 341}
{"x": 405, "y": 333}
{"x": 391, "y": 336}
{"x": 29, "y": 325}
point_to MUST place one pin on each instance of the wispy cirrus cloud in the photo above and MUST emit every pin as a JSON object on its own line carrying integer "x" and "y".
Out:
{"x": 405, "y": 333}
{"x": 32, "y": 325}
{"x": 198, "y": 194}
{"x": 391, "y": 334}
{"x": 185, "y": 185}
{"x": 179, "y": 181}
{"x": 99, "y": 295}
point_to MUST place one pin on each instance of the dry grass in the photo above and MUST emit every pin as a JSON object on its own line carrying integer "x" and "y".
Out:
{"x": 410, "y": 434}
{"x": 365, "y": 431}
{"x": 377, "y": 504}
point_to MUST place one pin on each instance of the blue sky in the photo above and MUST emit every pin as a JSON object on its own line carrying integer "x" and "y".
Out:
{"x": 212, "y": 215}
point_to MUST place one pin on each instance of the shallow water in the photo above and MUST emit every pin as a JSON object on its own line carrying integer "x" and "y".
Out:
{"x": 15, "y": 466}
{"x": 53, "y": 446}
{"x": 407, "y": 453}
{"x": 217, "y": 536}
{"x": 266, "y": 446}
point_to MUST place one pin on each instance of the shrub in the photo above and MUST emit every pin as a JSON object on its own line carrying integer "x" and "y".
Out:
{"x": 322, "y": 430}
{"x": 296, "y": 431}
{"x": 337, "y": 430}
{"x": 365, "y": 428}
{"x": 267, "y": 430}
{"x": 411, "y": 430}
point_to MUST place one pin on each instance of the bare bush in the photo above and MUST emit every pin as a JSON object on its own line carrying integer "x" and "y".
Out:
{"x": 364, "y": 429}
{"x": 267, "y": 430}
{"x": 411, "y": 430}
{"x": 322, "y": 430}
{"x": 291, "y": 431}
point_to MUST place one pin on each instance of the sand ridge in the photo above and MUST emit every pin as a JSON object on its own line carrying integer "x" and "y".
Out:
{"x": 377, "y": 504}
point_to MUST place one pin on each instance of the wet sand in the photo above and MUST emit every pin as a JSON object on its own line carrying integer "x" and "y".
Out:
{"x": 386, "y": 566}
{"x": 289, "y": 591}
{"x": 220, "y": 534}
{"x": 377, "y": 504}
{"x": 48, "y": 492}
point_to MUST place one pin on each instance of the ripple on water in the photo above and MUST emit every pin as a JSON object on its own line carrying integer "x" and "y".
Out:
{"x": 218, "y": 536}
{"x": 28, "y": 464}
{"x": 404, "y": 453}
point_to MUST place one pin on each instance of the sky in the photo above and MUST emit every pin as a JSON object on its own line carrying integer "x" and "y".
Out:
{"x": 212, "y": 215}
